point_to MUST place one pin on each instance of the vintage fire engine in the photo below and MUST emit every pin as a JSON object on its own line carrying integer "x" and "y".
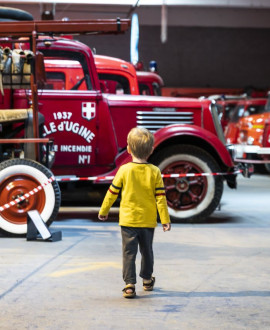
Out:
{"x": 264, "y": 152}
{"x": 116, "y": 76}
{"x": 89, "y": 131}
{"x": 253, "y": 141}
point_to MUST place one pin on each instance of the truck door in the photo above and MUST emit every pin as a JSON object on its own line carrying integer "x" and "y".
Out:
{"x": 69, "y": 105}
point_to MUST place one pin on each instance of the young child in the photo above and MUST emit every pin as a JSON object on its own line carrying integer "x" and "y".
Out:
{"x": 142, "y": 195}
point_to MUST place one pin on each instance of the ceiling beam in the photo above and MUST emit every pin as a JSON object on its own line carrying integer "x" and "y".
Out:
{"x": 189, "y": 3}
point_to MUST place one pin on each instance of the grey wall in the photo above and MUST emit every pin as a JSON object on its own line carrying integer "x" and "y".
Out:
{"x": 198, "y": 56}
{"x": 208, "y": 46}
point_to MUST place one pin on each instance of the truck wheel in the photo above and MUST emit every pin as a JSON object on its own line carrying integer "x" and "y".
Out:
{"x": 18, "y": 177}
{"x": 190, "y": 199}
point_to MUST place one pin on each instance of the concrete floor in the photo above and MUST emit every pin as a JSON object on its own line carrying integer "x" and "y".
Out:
{"x": 214, "y": 275}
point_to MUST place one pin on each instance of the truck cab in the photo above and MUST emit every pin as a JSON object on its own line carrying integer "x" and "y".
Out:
{"x": 150, "y": 83}
{"x": 116, "y": 76}
{"x": 243, "y": 108}
{"x": 253, "y": 141}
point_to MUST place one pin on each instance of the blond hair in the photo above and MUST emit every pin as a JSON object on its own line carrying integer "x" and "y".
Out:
{"x": 140, "y": 142}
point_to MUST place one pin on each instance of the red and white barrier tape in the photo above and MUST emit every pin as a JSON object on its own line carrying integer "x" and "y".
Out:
{"x": 27, "y": 195}
{"x": 94, "y": 178}
{"x": 198, "y": 174}
{"x": 180, "y": 175}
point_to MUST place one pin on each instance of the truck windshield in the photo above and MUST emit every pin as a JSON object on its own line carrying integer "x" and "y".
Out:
{"x": 150, "y": 89}
{"x": 240, "y": 111}
{"x": 66, "y": 72}
{"x": 216, "y": 119}
{"x": 114, "y": 83}
{"x": 157, "y": 89}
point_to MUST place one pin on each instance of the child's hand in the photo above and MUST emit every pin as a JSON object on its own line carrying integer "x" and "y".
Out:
{"x": 103, "y": 217}
{"x": 166, "y": 226}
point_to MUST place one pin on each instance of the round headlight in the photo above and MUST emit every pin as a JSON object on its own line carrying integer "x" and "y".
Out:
{"x": 250, "y": 140}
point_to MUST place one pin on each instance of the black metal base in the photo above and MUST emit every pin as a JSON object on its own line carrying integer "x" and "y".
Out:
{"x": 37, "y": 230}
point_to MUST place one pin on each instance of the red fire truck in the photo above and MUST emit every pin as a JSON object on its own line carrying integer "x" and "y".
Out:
{"x": 253, "y": 141}
{"x": 116, "y": 76}
{"x": 89, "y": 131}
{"x": 264, "y": 152}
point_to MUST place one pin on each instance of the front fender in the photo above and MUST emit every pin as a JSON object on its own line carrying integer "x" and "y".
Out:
{"x": 206, "y": 137}
{"x": 168, "y": 133}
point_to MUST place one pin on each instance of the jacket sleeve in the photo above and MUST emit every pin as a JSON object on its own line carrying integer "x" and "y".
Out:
{"x": 112, "y": 193}
{"x": 161, "y": 200}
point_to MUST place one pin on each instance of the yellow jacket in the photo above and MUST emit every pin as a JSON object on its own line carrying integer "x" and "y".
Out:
{"x": 142, "y": 196}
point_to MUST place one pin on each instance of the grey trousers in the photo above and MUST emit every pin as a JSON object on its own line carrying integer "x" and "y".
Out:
{"x": 132, "y": 237}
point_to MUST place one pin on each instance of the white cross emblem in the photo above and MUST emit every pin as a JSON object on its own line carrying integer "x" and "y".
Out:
{"x": 88, "y": 110}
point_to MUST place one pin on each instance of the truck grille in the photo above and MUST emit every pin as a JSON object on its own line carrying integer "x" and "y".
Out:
{"x": 156, "y": 120}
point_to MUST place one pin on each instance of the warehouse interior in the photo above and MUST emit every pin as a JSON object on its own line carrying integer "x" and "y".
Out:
{"x": 65, "y": 120}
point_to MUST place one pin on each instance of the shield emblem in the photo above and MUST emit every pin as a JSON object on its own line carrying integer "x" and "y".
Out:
{"x": 88, "y": 110}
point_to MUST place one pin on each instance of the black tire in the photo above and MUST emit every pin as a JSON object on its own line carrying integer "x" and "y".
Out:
{"x": 190, "y": 199}
{"x": 18, "y": 177}
{"x": 13, "y": 14}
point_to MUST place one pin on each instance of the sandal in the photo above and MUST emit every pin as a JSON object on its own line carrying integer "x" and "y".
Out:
{"x": 131, "y": 294}
{"x": 149, "y": 286}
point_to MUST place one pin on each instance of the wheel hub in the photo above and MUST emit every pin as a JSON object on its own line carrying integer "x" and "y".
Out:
{"x": 182, "y": 185}
{"x": 22, "y": 204}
